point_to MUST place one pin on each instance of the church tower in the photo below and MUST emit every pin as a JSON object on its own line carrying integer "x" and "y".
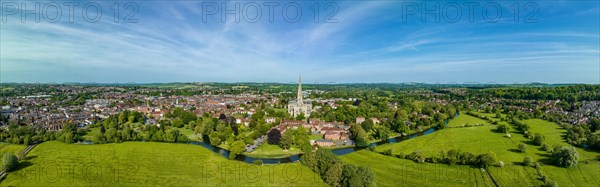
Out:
{"x": 299, "y": 106}
{"x": 299, "y": 96}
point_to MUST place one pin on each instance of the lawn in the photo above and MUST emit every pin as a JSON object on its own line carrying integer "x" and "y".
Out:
{"x": 391, "y": 171}
{"x": 190, "y": 134}
{"x": 273, "y": 151}
{"x": 91, "y": 133}
{"x": 464, "y": 119}
{"x": 478, "y": 140}
{"x": 315, "y": 136}
{"x": 490, "y": 115}
{"x": 148, "y": 164}
{"x": 483, "y": 139}
{"x": 10, "y": 148}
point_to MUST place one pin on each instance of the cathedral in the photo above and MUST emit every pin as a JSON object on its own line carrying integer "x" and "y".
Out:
{"x": 300, "y": 106}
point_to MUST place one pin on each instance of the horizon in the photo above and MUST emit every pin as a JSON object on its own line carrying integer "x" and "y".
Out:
{"x": 303, "y": 83}
{"x": 551, "y": 42}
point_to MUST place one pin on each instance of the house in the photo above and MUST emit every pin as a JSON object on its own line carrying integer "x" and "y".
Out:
{"x": 325, "y": 143}
{"x": 332, "y": 135}
{"x": 375, "y": 120}
{"x": 270, "y": 120}
{"x": 360, "y": 119}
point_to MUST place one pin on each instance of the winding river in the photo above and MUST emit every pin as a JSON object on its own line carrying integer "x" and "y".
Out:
{"x": 294, "y": 158}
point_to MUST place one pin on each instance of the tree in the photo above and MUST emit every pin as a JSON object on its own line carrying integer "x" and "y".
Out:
{"x": 503, "y": 128}
{"x": 325, "y": 159}
{"x": 527, "y": 161}
{"x": 131, "y": 119}
{"x": 171, "y": 135}
{"x": 486, "y": 160}
{"x": 333, "y": 176}
{"x": 300, "y": 116}
{"x": 9, "y": 162}
{"x": 286, "y": 140}
{"x": 360, "y": 136}
{"x": 565, "y": 156}
{"x": 192, "y": 125}
{"x": 522, "y": 147}
{"x": 236, "y": 148}
{"x": 99, "y": 138}
{"x": 382, "y": 133}
{"x": 214, "y": 139}
{"x": 367, "y": 125}
{"x": 356, "y": 176}
{"x": 594, "y": 124}
{"x": 538, "y": 139}
{"x": 177, "y": 123}
{"x": 273, "y": 137}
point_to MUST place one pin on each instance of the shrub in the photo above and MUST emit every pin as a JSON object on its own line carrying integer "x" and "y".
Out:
{"x": 401, "y": 155}
{"x": 9, "y": 162}
{"x": 433, "y": 159}
{"x": 503, "y": 128}
{"x": 500, "y": 164}
{"x": 416, "y": 156}
{"x": 522, "y": 147}
{"x": 467, "y": 158}
{"x": 486, "y": 160}
{"x": 537, "y": 165}
{"x": 257, "y": 162}
{"x": 527, "y": 161}
{"x": 539, "y": 139}
{"x": 387, "y": 152}
{"x": 566, "y": 156}
{"x": 373, "y": 147}
{"x": 549, "y": 183}
{"x": 546, "y": 147}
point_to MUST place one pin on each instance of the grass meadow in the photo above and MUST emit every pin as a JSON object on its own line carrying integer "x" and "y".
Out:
{"x": 463, "y": 119}
{"x": 148, "y": 164}
{"x": 273, "y": 151}
{"x": 483, "y": 139}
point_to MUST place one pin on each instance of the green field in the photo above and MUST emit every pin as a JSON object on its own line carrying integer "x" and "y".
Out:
{"x": 315, "y": 136}
{"x": 10, "y": 148}
{"x": 190, "y": 134}
{"x": 390, "y": 171}
{"x": 478, "y": 140}
{"x": 464, "y": 119}
{"x": 148, "y": 164}
{"x": 483, "y": 139}
{"x": 91, "y": 133}
{"x": 273, "y": 151}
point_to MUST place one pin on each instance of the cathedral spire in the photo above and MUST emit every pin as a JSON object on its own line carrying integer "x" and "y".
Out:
{"x": 299, "y": 97}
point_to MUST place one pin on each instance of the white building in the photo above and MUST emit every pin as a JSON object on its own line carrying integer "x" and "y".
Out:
{"x": 300, "y": 106}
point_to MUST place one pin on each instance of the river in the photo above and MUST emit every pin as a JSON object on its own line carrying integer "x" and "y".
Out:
{"x": 294, "y": 158}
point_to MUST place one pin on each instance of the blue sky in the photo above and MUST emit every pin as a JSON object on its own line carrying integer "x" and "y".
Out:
{"x": 370, "y": 41}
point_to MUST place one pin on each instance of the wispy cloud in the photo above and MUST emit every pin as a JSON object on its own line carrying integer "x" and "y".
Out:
{"x": 171, "y": 42}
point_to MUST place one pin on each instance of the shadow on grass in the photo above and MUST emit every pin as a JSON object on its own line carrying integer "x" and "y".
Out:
{"x": 547, "y": 161}
{"x": 530, "y": 142}
{"x": 544, "y": 154}
{"x": 514, "y": 150}
{"x": 30, "y": 157}
{"x": 22, "y": 165}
